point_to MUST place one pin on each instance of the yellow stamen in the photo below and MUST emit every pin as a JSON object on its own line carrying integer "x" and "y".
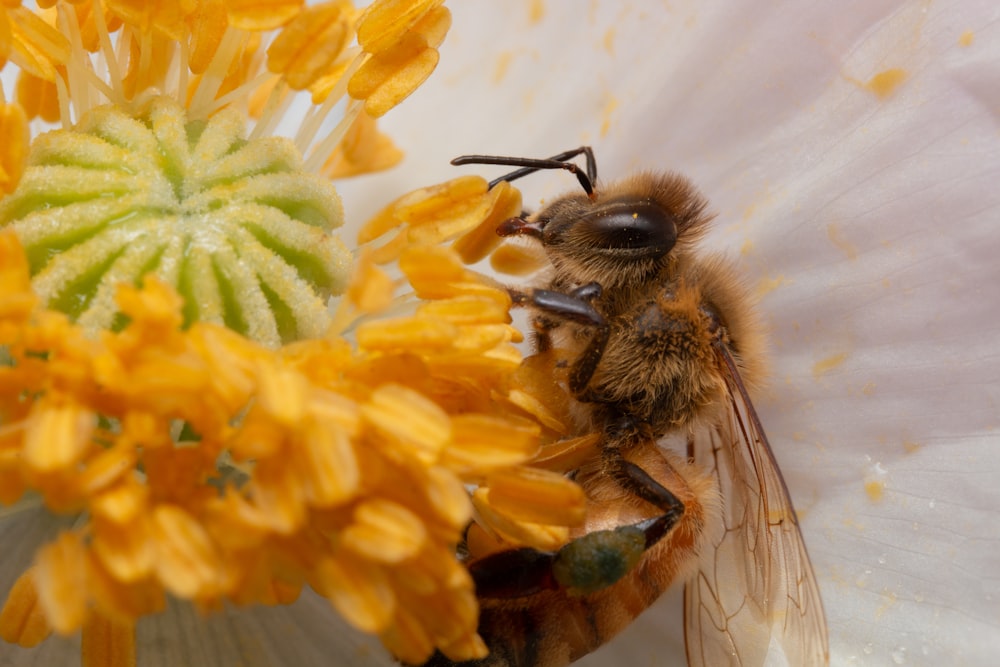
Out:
{"x": 385, "y": 22}
{"x": 37, "y": 47}
{"x": 308, "y": 47}
{"x": 538, "y": 496}
{"x": 385, "y": 531}
{"x": 22, "y": 619}
{"x": 518, "y": 260}
{"x": 390, "y": 76}
{"x": 417, "y": 425}
{"x": 187, "y": 562}
{"x": 61, "y": 581}
{"x": 504, "y": 202}
{"x": 539, "y": 536}
{"x": 363, "y": 150}
{"x": 58, "y": 435}
{"x": 107, "y": 643}
{"x": 15, "y": 139}
{"x": 261, "y": 15}
{"x": 358, "y": 589}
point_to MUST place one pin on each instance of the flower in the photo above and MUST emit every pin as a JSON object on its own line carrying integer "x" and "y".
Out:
{"x": 849, "y": 152}
{"x": 863, "y": 209}
{"x": 173, "y": 377}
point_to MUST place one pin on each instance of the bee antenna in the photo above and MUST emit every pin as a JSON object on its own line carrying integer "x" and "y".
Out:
{"x": 531, "y": 165}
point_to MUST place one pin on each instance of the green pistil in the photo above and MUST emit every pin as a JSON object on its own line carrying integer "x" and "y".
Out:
{"x": 237, "y": 226}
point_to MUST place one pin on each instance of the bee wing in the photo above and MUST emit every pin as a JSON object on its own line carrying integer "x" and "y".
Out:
{"x": 754, "y": 601}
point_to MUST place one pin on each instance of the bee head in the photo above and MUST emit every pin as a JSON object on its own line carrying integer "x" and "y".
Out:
{"x": 622, "y": 233}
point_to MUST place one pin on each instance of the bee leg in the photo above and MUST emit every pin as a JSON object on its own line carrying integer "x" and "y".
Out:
{"x": 621, "y": 433}
{"x": 576, "y": 307}
{"x": 584, "y": 565}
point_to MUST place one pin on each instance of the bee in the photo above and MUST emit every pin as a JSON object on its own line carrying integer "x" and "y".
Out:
{"x": 660, "y": 345}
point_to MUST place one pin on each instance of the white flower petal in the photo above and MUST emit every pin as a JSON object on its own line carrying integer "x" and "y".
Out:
{"x": 869, "y": 223}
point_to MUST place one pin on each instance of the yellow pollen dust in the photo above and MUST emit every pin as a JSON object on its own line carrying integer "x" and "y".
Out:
{"x": 875, "y": 490}
{"x": 827, "y": 364}
{"x": 886, "y": 82}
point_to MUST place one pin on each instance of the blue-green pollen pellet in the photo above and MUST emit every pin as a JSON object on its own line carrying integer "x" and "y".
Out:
{"x": 598, "y": 559}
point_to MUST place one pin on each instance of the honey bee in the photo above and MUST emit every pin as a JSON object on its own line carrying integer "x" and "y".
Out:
{"x": 661, "y": 344}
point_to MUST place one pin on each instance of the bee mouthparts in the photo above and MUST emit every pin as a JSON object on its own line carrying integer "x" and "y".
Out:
{"x": 519, "y": 226}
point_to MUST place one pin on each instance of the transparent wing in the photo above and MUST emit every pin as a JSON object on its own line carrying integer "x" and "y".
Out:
{"x": 754, "y": 601}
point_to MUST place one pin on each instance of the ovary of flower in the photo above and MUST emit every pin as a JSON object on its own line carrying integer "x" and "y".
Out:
{"x": 248, "y": 226}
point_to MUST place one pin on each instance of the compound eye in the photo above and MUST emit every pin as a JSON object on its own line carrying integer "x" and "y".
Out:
{"x": 636, "y": 225}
